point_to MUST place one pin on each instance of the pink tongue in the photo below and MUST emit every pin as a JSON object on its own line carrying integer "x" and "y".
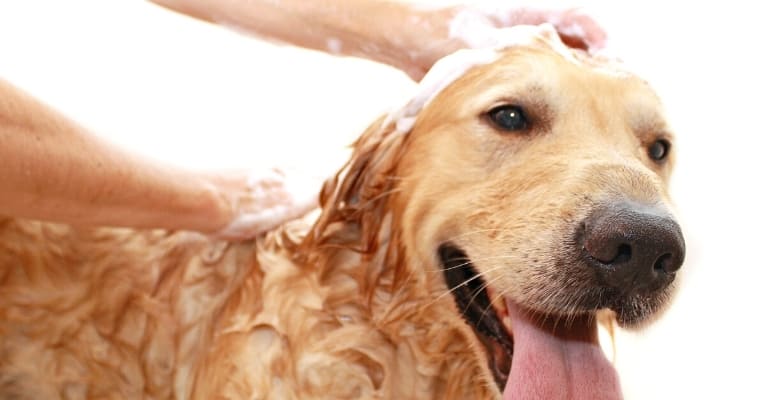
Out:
{"x": 558, "y": 361}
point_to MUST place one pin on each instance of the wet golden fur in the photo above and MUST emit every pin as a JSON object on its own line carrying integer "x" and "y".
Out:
{"x": 354, "y": 307}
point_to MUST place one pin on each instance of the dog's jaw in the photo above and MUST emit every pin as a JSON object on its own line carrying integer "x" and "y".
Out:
{"x": 529, "y": 355}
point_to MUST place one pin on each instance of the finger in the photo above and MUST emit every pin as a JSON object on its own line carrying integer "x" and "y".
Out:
{"x": 269, "y": 199}
{"x": 579, "y": 28}
{"x": 575, "y": 26}
{"x": 416, "y": 73}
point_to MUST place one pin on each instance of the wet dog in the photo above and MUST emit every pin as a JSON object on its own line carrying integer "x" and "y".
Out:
{"x": 464, "y": 251}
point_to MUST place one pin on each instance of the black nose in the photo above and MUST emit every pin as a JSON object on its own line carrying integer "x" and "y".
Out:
{"x": 633, "y": 246}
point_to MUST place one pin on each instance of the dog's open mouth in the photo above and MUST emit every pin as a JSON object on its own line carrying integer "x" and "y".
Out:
{"x": 471, "y": 295}
{"x": 530, "y": 355}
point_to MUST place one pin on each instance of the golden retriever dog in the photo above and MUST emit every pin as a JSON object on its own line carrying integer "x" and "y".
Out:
{"x": 465, "y": 251}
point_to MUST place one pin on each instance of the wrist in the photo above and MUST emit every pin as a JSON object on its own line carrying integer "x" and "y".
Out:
{"x": 421, "y": 39}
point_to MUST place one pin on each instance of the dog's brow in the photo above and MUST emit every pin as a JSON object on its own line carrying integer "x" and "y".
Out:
{"x": 530, "y": 93}
{"x": 646, "y": 122}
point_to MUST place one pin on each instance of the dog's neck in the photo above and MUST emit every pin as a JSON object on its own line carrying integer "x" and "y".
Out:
{"x": 359, "y": 216}
{"x": 359, "y": 236}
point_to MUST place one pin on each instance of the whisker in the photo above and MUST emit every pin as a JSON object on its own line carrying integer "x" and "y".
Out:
{"x": 464, "y": 264}
{"x": 498, "y": 296}
{"x": 451, "y": 290}
{"x": 477, "y": 292}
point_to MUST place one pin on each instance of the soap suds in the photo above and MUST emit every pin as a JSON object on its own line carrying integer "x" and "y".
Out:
{"x": 485, "y": 42}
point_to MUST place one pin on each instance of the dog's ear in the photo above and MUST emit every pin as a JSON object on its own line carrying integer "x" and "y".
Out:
{"x": 356, "y": 197}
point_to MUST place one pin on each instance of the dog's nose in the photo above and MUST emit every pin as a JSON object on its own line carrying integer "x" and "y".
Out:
{"x": 633, "y": 246}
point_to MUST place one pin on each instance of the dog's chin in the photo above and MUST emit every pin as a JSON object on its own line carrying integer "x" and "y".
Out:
{"x": 519, "y": 340}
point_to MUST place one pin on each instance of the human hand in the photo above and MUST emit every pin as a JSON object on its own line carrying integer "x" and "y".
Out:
{"x": 576, "y": 28}
{"x": 473, "y": 26}
{"x": 262, "y": 200}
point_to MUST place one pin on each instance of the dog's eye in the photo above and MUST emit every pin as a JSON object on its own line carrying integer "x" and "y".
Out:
{"x": 509, "y": 118}
{"x": 658, "y": 150}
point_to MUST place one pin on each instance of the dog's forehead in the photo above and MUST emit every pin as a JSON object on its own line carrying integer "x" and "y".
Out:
{"x": 448, "y": 69}
{"x": 527, "y": 67}
{"x": 525, "y": 53}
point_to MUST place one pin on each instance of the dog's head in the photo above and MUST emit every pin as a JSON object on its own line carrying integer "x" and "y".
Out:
{"x": 536, "y": 182}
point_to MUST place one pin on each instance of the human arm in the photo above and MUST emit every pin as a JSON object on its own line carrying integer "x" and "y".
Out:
{"x": 408, "y": 36}
{"x": 53, "y": 169}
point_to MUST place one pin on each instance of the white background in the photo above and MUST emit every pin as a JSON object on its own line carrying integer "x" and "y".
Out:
{"x": 201, "y": 96}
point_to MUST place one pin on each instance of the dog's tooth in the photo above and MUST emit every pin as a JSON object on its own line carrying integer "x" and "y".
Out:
{"x": 504, "y": 310}
{"x": 497, "y": 302}
{"x": 507, "y": 321}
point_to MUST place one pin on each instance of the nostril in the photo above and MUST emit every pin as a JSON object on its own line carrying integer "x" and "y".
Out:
{"x": 608, "y": 250}
{"x": 623, "y": 255}
{"x": 664, "y": 264}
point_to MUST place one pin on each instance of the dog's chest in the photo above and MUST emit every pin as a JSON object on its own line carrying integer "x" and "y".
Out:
{"x": 318, "y": 334}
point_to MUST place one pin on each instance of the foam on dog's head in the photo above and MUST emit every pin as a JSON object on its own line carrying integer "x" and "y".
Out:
{"x": 486, "y": 42}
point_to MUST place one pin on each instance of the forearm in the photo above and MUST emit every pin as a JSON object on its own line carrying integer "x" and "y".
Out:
{"x": 50, "y": 168}
{"x": 391, "y": 32}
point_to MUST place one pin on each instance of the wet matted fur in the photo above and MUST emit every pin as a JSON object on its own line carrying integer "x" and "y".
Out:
{"x": 354, "y": 303}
